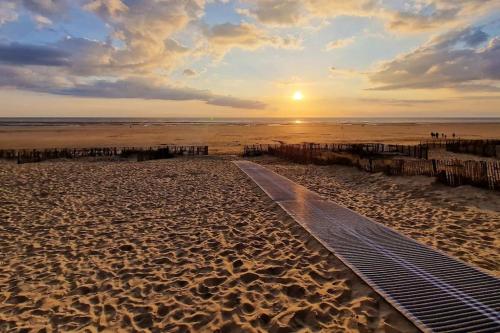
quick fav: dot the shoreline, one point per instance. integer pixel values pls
(229, 138)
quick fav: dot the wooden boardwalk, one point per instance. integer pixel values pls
(436, 292)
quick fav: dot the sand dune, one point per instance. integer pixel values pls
(182, 245)
(462, 222)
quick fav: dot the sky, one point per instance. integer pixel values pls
(248, 58)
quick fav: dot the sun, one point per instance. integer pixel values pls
(297, 96)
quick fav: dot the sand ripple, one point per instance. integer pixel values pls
(184, 245)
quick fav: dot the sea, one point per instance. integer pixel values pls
(59, 121)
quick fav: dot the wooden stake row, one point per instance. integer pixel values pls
(142, 154)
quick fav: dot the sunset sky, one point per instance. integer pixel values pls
(223, 58)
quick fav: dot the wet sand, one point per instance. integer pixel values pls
(462, 221)
(181, 245)
(230, 138)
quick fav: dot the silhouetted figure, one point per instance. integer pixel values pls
(453, 135)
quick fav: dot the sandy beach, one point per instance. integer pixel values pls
(191, 244)
(181, 245)
(239, 166)
(230, 138)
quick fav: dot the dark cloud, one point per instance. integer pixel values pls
(49, 8)
(171, 45)
(77, 56)
(27, 79)
(40, 79)
(276, 12)
(189, 72)
(144, 90)
(235, 102)
(436, 14)
(460, 59)
(21, 54)
(62, 68)
(134, 89)
(474, 37)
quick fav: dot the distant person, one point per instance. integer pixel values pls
(453, 135)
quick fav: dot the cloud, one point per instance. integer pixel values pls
(38, 78)
(328, 8)
(435, 14)
(106, 8)
(413, 16)
(83, 57)
(235, 102)
(277, 12)
(142, 43)
(399, 102)
(76, 56)
(41, 21)
(339, 43)
(223, 37)
(47, 8)
(457, 59)
(416, 21)
(335, 72)
(144, 89)
(189, 72)
(8, 12)
(297, 12)
(89, 57)
(146, 29)
(50, 82)
(20, 54)
(173, 46)
(292, 81)
(41, 10)
(480, 98)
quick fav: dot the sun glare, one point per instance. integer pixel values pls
(297, 96)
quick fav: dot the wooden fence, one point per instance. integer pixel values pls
(487, 148)
(362, 149)
(451, 172)
(142, 154)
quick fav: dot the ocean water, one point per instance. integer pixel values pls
(44, 121)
